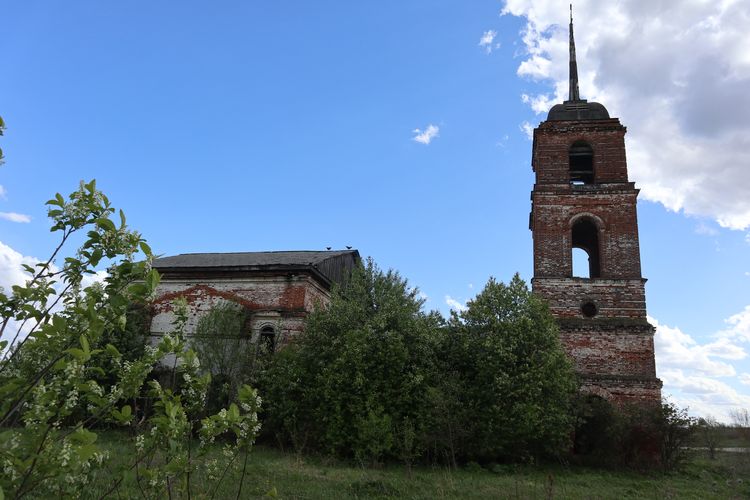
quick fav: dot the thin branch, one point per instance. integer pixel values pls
(242, 477)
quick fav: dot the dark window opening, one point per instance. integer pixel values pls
(589, 309)
(581, 161)
(586, 237)
(267, 344)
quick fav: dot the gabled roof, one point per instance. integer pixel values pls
(332, 265)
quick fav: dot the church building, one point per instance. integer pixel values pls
(276, 290)
(582, 199)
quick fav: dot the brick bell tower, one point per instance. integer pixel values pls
(582, 199)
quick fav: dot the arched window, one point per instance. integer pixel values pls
(585, 235)
(581, 163)
(267, 341)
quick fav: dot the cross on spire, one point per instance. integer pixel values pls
(573, 79)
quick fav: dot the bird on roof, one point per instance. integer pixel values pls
(328, 248)
(348, 247)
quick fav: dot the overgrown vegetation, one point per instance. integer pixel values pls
(63, 376)
(226, 353)
(313, 477)
(355, 385)
(375, 378)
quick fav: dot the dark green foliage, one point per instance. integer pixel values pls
(639, 436)
(362, 367)
(374, 377)
(507, 383)
(226, 352)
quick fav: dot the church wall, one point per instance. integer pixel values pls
(614, 298)
(614, 209)
(552, 142)
(611, 350)
(280, 301)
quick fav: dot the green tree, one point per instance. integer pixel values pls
(360, 372)
(516, 382)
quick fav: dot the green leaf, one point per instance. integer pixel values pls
(96, 256)
(85, 344)
(234, 411)
(273, 493)
(122, 219)
(86, 451)
(83, 437)
(76, 353)
(126, 411)
(2, 495)
(112, 351)
(153, 279)
(58, 200)
(106, 224)
(145, 248)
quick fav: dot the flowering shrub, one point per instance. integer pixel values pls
(53, 354)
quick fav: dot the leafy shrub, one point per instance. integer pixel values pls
(62, 373)
(508, 384)
(362, 366)
(639, 435)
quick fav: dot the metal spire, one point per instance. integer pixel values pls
(573, 83)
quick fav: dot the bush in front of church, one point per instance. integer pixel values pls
(355, 385)
(375, 378)
(507, 384)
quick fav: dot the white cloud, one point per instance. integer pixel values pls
(11, 272)
(454, 304)
(14, 217)
(528, 130)
(739, 326)
(539, 103)
(677, 75)
(3, 192)
(675, 349)
(487, 41)
(426, 136)
(90, 279)
(703, 395)
(704, 229)
(690, 370)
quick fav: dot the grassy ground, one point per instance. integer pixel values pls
(311, 478)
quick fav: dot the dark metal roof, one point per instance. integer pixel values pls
(333, 265)
(578, 110)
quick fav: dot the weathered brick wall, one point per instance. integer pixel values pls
(624, 390)
(279, 301)
(610, 347)
(552, 140)
(614, 210)
(614, 298)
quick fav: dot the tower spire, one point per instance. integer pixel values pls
(573, 80)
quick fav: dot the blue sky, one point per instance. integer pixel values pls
(246, 126)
